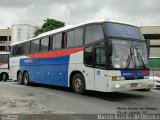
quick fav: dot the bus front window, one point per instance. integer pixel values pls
(128, 54)
(121, 54)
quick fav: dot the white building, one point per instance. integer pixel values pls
(22, 31)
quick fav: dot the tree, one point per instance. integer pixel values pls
(49, 24)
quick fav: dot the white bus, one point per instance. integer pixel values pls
(4, 66)
(97, 55)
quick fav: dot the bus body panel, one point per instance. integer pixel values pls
(15, 66)
(76, 64)
(3, 65)
(46, 70)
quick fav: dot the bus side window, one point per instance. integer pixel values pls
(75, 38)
(53, 42)
(26, 48)
(18, 49)
(88, 53)
(78, 37)
(58, 41)
(64, 40)
(100, 54)
(45, 44)
(70, 39)
(35, 46)
(4, 58)
(13, 51)
(93, 33)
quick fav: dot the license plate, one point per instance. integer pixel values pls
(134, 85)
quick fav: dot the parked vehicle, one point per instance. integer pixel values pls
(98, 55)
(4, 66)
(156, 81)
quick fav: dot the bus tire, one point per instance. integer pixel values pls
(78, 83)
(4, 77)
(19, 78)
(26, 79)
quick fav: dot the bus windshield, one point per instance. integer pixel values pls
(123, 31)
(129, 54)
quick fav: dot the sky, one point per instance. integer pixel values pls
(135, 12)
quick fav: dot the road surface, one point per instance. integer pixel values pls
(43, 99)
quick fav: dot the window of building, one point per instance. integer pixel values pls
(45, 44)
(93, 33)
(154, 51)
(3, 38)
(9, 38)
(35, 46)
(2, 48)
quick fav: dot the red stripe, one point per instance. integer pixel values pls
(144, 71)
(57, 53)
(2, 63)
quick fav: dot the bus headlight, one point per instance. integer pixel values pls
(117, 86)
(114, 78)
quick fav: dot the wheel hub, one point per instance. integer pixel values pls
(78, 83)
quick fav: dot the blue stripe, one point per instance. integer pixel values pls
(52, 71)
(132, 74)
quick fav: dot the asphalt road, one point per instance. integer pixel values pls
(42, 99)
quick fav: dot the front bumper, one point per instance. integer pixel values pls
(128, 85)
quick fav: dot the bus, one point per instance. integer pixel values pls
(98, 55)
(4, 66)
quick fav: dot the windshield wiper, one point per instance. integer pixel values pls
(129, 58)
(140, 57)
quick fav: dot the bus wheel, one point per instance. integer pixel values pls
(78, 84)
(19, 78)
(4, 77)
(26, 79)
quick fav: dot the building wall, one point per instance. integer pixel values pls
(18, 31)
(5, 39)
(152, 35)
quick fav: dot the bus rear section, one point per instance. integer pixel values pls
(4, 66)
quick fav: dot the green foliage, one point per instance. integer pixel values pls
(49, 24)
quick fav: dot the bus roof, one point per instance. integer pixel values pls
(4, 52)
(66, 28)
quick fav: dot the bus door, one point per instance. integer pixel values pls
(89, 69)
(100, 67)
